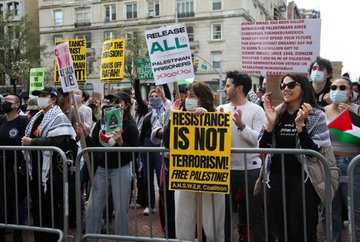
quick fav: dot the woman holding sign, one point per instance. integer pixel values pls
(296, 124)
(116, 128)
(213, 210)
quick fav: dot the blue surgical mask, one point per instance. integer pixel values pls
(317, 76)
(191, 104)
(338, 96)
(354, 96)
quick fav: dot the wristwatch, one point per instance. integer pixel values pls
(241, 127)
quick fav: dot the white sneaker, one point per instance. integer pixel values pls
(147, 211)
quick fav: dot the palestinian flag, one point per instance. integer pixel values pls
(346, 127)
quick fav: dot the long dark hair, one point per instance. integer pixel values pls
(205, 95)
(308, 94)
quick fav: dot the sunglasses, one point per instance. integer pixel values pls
(341, 87)
(290, 85)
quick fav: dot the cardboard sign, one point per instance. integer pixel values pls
(77, 49)
(278, 47)
(65, 67)
(112, 61)
(112, 119)
(37, 76)
(170, 54)
(200, 152)
(273, 86)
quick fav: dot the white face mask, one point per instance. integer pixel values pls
(43, 102)
(77, 97)
(190, 104)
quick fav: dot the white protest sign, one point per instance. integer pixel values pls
(170, 53)
(65, 67)
(281, 46)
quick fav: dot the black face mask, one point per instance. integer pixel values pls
(6, 107)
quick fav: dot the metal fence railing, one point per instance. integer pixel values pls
(80, 233)
(17, 205)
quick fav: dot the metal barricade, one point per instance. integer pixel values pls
(351, 202)
(134, 150)
(12, 213)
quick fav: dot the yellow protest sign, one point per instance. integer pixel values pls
(200, 149)
(77, 49)
(112, 60)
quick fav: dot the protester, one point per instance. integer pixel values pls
(340, 95)
(296, 124)
(49, 127)
(115, 171)
(321, 73)
(85, 112)
(158, 103)
(248, 120)
(12, 129)
(31, 107)
(186, 202)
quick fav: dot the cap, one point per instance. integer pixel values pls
(32, 104)
(120, 96)
(47, 90)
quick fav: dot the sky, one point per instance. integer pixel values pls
(340, 39)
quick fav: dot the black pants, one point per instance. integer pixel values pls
(294, 208)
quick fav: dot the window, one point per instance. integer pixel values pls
(110, 13)
(14, 7)
(129, 36)
(216, 59)
(87, 36)
(190, 31)
(131, 10)
(58, 17)
(83, 15)
(1, 9)
(185, 8)
(216, 31)
(110, 35)
(153, 8)
(57, 38)
(216, 4)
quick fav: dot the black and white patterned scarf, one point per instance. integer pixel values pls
(54, 123)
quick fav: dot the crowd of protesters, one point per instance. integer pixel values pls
(299, 122)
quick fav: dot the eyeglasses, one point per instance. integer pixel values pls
(341, 87)
(290, 85)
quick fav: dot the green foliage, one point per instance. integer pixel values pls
(135, 48)
(19, 47)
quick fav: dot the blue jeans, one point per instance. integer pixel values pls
(120, 181)
(340, 199)
(154, 163)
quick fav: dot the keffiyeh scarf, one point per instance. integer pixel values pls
(54, 123)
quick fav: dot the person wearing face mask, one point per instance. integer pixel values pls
(85, 111)
(340, 95)
(48, 127)
(321, 72)
(355, 94)
(157, 104)
(12, 129)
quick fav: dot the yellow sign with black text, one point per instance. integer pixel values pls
(200, 151)
(112, 61)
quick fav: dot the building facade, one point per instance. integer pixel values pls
(213, 27)
(17, 9)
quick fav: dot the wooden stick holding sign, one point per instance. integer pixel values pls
(68, 84)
